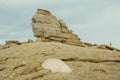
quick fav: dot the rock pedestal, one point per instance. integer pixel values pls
(47, 28)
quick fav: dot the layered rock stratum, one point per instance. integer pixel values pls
(47, 28)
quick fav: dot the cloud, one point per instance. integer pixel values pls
(109, 16)
(102, 27)
(90, 19)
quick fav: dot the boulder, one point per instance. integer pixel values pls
(56, 65)
(47, 28)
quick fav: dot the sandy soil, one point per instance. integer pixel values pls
(23, 62)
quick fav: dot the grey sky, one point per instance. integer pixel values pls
(95, 21)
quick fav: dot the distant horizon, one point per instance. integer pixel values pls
(96, 22)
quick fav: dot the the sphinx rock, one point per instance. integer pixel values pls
(56, 65)
(47, 28)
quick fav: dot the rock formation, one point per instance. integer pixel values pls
(47, 28)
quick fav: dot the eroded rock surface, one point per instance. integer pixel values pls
(24, 62)
(47, 28)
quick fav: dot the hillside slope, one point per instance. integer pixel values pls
(23, 62)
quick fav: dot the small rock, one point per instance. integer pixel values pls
(30, 41)
(56, 65)
(95, 45)
(13, 42)
(88, 44)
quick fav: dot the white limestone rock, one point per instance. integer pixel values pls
(56, 65)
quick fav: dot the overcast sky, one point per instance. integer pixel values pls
(94, 21)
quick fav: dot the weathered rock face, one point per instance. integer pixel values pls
(47, 28)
